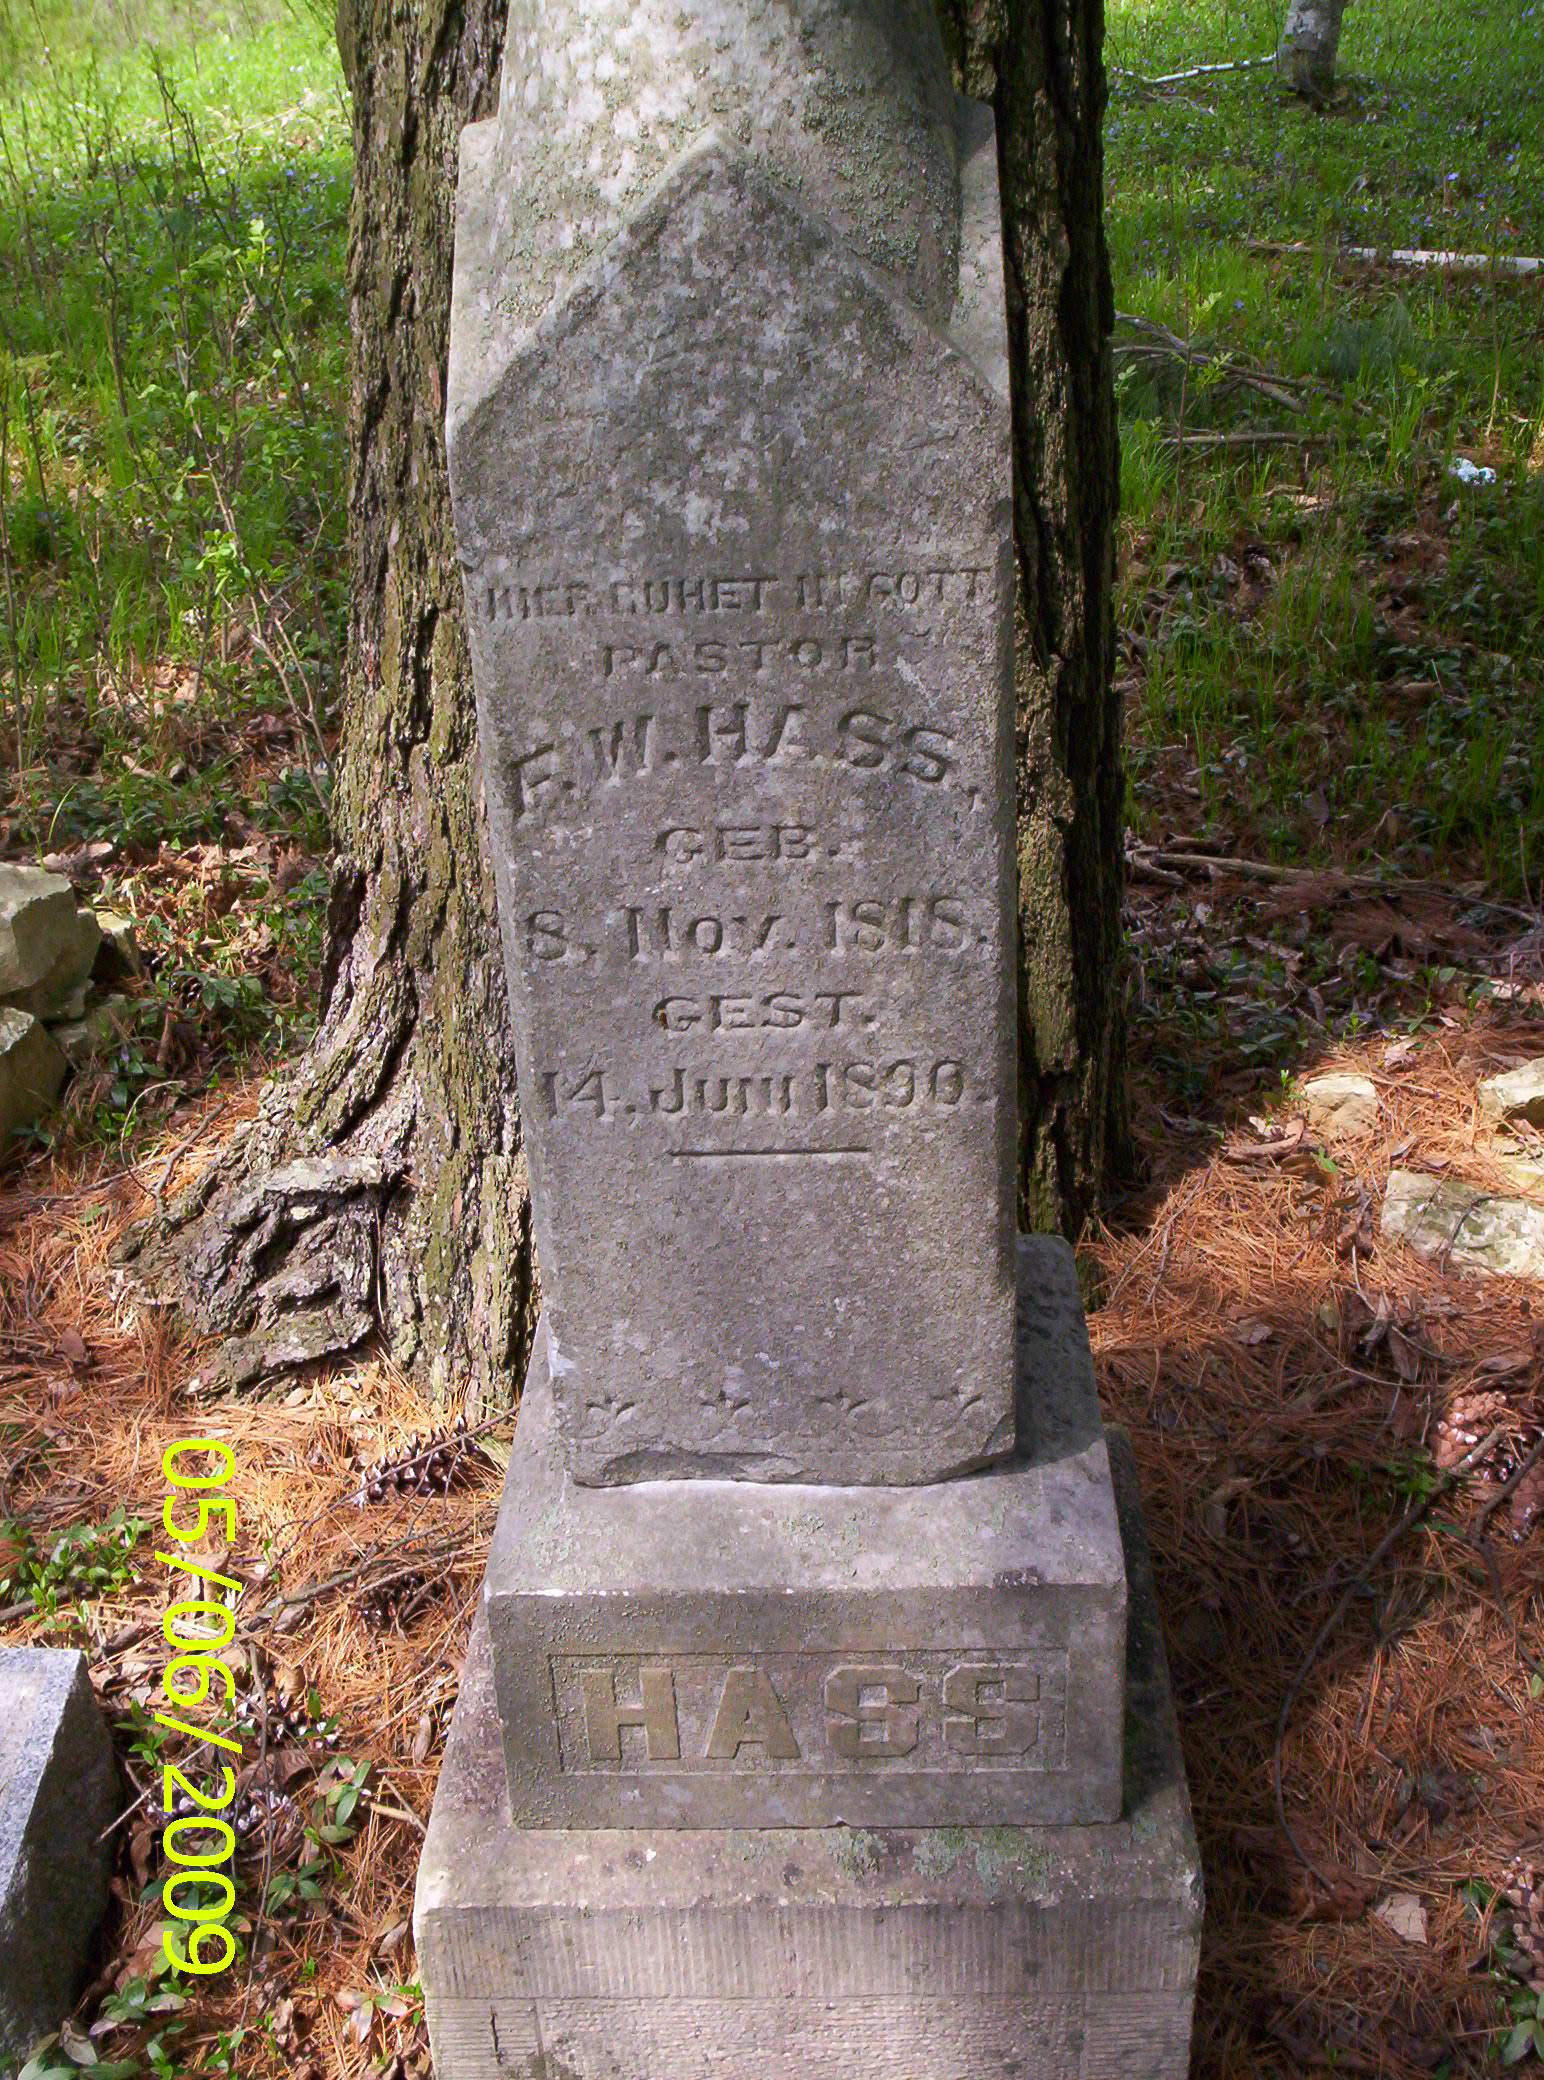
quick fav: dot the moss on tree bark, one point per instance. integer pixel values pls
(384, 1183)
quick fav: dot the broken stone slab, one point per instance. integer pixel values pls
(1456, 1224)
(1515, 1095)
(58, 1791)
(818, 1953)
(734, 1654)
(32, 1068)
(1341, 1104)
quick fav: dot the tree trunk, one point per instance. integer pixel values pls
(1041, 67)
(384, 1183)
(1305, 57)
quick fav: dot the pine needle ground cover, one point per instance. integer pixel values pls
(1332, 571)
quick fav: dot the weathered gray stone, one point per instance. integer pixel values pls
(730, 463)
(98, 1032)
(818, 1954)
(1456, 1224)
(1341, 1104)
(31, 1071)
(118, 956)
(47, 944)
(724, 1653)
(1515, 1095)
(58, 1791)
(36, 913)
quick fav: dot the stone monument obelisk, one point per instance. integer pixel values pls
(816, 1720)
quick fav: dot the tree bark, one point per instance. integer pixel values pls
(1310, 39)
(1040, 63)
(383, 1183)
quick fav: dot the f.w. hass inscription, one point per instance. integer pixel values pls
(747, 738)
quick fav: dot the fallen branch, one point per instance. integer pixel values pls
(1178, 79)
(1155, 342)
(1412, 256)
(1169, 868)
(1242, 437)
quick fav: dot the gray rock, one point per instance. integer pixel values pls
(36, 913)
(1516, 1095)
(817, 1953)
(725, 1654)
(98, 1032)
(1456, 1224)
(47, 944)
(735, 522)
(31, 1071)
(58, 1790)
(118, 957)
(1341, 1104)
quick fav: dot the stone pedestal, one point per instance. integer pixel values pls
(734, 1654)
(834, 1953)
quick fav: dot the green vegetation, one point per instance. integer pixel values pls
(1332, 644)
(174, 191)
(85, 1562)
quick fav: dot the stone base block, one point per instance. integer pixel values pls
(58, 1790)
(938, 1953)
(737, 1654)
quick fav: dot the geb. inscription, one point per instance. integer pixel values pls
(827, 1712)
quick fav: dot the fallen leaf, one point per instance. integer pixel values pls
(1403, 1913)
(1251, 1331)
(1506, 1364)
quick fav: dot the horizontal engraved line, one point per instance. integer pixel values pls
(776, 1155)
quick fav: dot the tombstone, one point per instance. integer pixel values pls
(58, 1792)
(816, 1718)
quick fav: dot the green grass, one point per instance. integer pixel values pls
(1377, 694)
(1331, 648)
(174, 189)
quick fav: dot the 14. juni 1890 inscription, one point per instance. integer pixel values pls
(741, 678)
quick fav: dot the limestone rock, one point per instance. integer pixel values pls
(1341, 1104)
(97, 1032)
(1456, 1224)
(1517, 1094)
(36, 911)
(118, 955)
(47, 944)
(58, 1790)
(31, 1071)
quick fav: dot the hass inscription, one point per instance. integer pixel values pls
(833, 1712)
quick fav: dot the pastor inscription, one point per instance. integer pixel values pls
(686, 1713)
